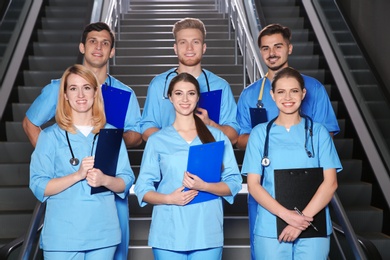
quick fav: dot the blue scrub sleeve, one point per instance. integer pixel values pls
(254, 151)
(328, 156)
(42, 165)
(228, 108)
(322, 110)
(243, 115)
(231, 174)
(149, 173)
(151, 112)
(44, 106)
(124, 171)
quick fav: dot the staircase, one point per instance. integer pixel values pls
(355, 194)
(144, 49)
(52, 48)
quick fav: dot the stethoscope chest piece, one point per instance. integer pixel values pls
(265, 161)
(74, 161)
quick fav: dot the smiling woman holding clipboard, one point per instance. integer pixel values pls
(63, 172)
(181, 229)
(291, 164)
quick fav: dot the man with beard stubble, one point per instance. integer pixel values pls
(189, 46)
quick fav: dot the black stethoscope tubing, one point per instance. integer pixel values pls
(265, 161)
(74, 161)
(165, 95)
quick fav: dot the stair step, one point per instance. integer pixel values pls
(365, 219)
(14, 174)
(177, 14)
(156, 51)
(15, 152)
(50, 63)
(15, 132)
(55, 36)
(19, 111)
(291, 22)
(14, 225)
(168, 43)
(27, 94)
(167, 28)
(53, 50)
(16, 198)
(344, 147)
(355, 193)
(41, 78)
(141, 20)
(381, 242)
(352, 171)
(164, 35)
(55, 23)
(156, 69)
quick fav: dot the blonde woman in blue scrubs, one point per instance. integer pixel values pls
(179, 231)
(290, 145)
(77, 225)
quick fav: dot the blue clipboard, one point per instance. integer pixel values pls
(116, 102)
(258, 115)
(107, 153)
(211, 101)
(205, 161)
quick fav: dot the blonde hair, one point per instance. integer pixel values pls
(64, 111)
(189, 23)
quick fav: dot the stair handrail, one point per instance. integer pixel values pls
(15, 50)
(35, 226)
(26, 241)
(252, 68)
(347, 228)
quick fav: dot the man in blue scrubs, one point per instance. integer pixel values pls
(189, 47)
(275, 47)
(97, 46)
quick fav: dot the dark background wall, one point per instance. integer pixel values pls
(371, 21)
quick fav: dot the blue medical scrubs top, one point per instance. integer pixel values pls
(286, 150)
(182, 228)
(75, 220)
(159, 112)
(315, 105)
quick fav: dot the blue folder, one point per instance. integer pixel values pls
(205, 161)
(107, 153)
(116, 102)
(211, 101)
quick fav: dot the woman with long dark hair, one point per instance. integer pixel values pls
(178, 230)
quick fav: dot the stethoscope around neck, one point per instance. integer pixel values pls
(74, 161)
(265, 161)
(165, 94)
